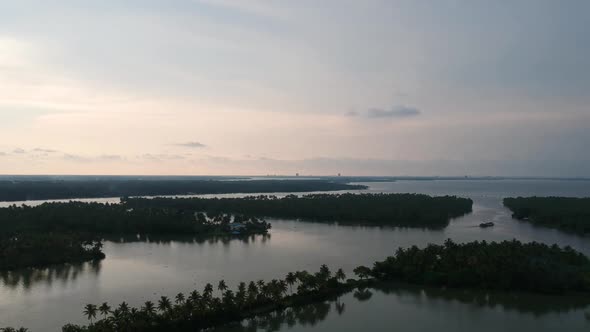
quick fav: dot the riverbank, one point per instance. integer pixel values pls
(568, 214)
(198, 311)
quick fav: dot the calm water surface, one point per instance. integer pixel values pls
(137, 270)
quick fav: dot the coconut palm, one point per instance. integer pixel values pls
(222, 286)
(208, 291)
(148, 307)
(124, 308)
(260, 284)
(90, 311)
(179, 298)
(291, 279)
(325, 272)
(362, 271)
(340, 275)
(164, 304)
(104, 309)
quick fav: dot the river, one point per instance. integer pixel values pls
(137, 270)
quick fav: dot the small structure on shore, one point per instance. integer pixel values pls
(486, 224)
(236, 228)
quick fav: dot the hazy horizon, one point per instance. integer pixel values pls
(222, 87)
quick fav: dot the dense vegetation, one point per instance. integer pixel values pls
(565, 213)
(410, 210)
(41, 249)
(96, 218)
(199, 310)
(27, 189)
(72, 232)
(509, 265)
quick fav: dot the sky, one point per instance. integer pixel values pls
(254, 87)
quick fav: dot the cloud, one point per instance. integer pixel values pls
(18, 151)
(110, 157)
(44, 150)
(191, 145)
(2, 153)
(160, 157)
(395, 112)
(75, 158)
(381, 113)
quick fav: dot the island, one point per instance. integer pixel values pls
(509, 265)
(73, 231)
(45, 188)
(569, 214)
(402, 210)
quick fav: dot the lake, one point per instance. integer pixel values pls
(137, 270)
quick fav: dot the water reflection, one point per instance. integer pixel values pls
(362, 294)
(412, 299)
(63, 273)
(187, 239)
(308, 315)
(523, 303)
(67, 273)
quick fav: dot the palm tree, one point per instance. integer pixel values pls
(241, 294)
(252, 291)
(208, 291)
(362, 271)
(340, 275)
(195, 296)
(104, 309)
(90, 311)
(222, 286)
(282, 286)
(179, 298)
(124, 308)
(291, 279)
(164, 304)
(228, 299)
(148, 307)
(325, 272)
(260, 284)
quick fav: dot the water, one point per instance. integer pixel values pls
(140, 270)
(402, 308)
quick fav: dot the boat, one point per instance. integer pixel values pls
(486, 224)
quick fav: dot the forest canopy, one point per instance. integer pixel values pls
(27, 189)
(406, 210)
(566, 213)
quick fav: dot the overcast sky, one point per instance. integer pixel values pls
(276, 87)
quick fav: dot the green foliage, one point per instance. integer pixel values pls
(408, 210)
(508, 265)
(71, 232)
(21, 190)
(42, 249)
(195, 312)
(96, 218)
(565, 213)
(54, 233)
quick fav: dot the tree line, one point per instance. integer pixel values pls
(53, 233)
(199, 310)
(566, 213)
(507, 265)
(39, 189)
(406, 210)
(56, 232)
